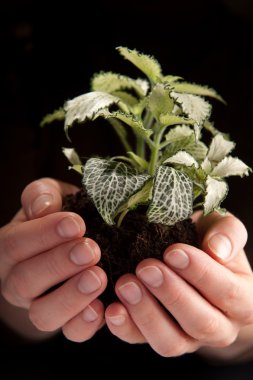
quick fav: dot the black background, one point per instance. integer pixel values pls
(49, 51)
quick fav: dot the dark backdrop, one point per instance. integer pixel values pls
(50, 49)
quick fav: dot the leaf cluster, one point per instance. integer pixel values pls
(170, 169)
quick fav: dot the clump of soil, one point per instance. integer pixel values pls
(123, 248)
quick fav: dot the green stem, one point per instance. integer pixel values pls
(121, 217)
(118, 128)
(155, 151)
(140, 147)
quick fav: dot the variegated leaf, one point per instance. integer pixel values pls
(87, 106)
(219, 148)
(127, 98)
(147, 64)
(183, 138)
(216, 191)
(230, 166)
(193, 106)
(195, 89)
(110, 183)
(182, 158)
(159, 101)
(206, 166)
(110, 82)
(172, 197)
(178, 133)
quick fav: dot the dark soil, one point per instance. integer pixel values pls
(123, 248)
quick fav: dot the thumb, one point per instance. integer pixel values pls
(44, 196)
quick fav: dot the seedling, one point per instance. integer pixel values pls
(169, 168)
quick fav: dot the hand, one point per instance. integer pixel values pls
(48, 267)
(206, 294)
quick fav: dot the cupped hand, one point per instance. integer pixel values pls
(195, 298)
(48, 267)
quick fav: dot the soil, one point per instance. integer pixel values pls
(123, 248)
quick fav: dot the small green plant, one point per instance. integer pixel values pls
(170, 169)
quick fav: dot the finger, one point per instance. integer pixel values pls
(223, 237)
(121, 324)
(160, 331)
(21, 241)
(54, 310)
(31, 278)
(44, 196)
(84, 325)
(229, 292)
(196, 316)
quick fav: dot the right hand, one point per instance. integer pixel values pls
(48, 267)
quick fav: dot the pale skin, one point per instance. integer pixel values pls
(208, 291)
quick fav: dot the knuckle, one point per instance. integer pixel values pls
(232, 295)
(207, 329)
(202, 274)
(16, 284)
(39, 321)
(54, 267)
(10, 245)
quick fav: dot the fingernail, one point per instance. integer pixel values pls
(89, 282)
(82, 253)
(40, 204)
(152, 276)
(131, 293)
(68, 227)
(220, 245)
(117, 320)
(89, 314)
(177, 259)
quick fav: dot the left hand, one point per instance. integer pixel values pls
(207, 293)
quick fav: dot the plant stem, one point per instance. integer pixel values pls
(120, 131)
(155, 151)
(121, 217)
(140, 147)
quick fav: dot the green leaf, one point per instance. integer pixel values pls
(170, 78)
(216, 191)
(182, 158)
(172, 197)
(111, 82)
(50, 118)
(110, 183)
(147, 64)
(170, 119)
(230, 166)
(193, 88)
(159, 101)
(219, 148)
(72, 156)
(128, 119)
(87, 106)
